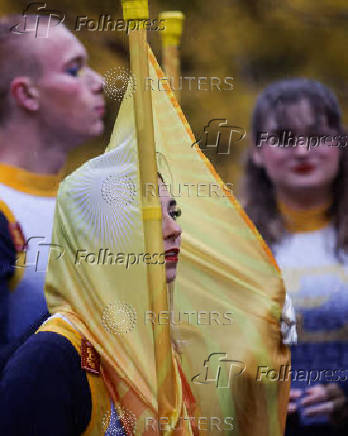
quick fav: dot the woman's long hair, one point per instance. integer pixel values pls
(258, 190)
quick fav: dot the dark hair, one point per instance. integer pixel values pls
(258, 190)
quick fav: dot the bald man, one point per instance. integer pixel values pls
(50, 102)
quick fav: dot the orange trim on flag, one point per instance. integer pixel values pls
(230, 196)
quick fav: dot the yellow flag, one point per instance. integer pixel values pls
(229, 291)
(228, 298)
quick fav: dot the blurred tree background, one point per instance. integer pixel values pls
(253, 41)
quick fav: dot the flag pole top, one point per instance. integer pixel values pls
(135, 9)
(173, 23)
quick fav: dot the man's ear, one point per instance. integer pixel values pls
(25, 93)
(256, 157)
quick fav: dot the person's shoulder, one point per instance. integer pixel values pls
(43, 382)
(45, 353)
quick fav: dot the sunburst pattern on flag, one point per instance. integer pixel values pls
(106, 197)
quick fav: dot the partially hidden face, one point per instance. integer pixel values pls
(171, 231)
(301, 166)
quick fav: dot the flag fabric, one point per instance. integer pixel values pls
(225, 267)
(228, 297)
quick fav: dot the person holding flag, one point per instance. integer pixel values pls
(57, 397)
(144, 378)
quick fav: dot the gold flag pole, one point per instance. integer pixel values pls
(152, 216)
(171, 36)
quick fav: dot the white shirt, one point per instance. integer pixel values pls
(35, 215)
